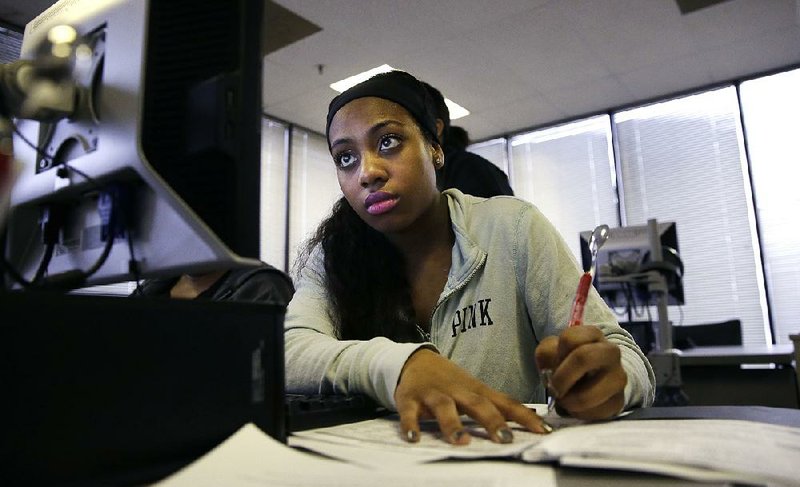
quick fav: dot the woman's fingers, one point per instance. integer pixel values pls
(546, 354)
(486, 413)
(587, 378)
(607, 409)
(596, 389)
(432, 386)
(526, 417)
(443, 408)
(409, 412)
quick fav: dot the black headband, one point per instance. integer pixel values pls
(398, 87)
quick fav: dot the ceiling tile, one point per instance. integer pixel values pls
(667, 78)
(594, 96)
(753, 55)
(736, 21)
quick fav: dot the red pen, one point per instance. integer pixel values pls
(598, 238)
(580, 299)
(575, 319)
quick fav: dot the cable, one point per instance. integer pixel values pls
(110, 219)
(30, 144)
(133, 264)
(44, 264)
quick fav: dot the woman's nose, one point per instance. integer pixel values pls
(373, 171)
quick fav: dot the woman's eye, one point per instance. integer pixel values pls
(389, 142)
(346, 159)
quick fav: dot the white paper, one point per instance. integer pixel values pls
(250, 458)
(378, 442)
(696, 449)
(699, 449)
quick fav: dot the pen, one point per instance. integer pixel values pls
(580, 299)
(576, 317)
(598, 238)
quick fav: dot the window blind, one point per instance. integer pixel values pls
(683, 160)
(313, 187)
(274, 171)
(567, 171)
(771, 108)
(494, 151)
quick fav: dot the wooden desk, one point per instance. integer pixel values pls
(715, 376)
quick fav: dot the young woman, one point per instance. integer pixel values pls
(440, 304)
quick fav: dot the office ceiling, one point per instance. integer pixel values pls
(517, 64)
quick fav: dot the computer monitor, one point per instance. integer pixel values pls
(626, 258)
(156, 172)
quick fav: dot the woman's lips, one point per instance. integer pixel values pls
(380, 202)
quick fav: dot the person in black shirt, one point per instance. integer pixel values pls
(263, 284)
(463, 170)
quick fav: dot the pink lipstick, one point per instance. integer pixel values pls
(380, 202)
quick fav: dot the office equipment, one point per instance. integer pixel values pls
(305, 412)
(154, 169)
(628, 254)
(139, 137)
(642, 333)
(641, 264)
(122, 391)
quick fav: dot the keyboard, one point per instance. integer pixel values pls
(305, 412)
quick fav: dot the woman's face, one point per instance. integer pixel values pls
(384, 163)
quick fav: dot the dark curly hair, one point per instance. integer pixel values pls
(365, 273)
(365, 278)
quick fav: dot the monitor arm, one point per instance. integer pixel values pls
(42, 88)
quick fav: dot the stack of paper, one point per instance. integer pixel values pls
(374, 453)
(696, 449)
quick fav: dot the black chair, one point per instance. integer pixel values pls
(712, 334)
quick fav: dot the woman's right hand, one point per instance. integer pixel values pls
(433, 387)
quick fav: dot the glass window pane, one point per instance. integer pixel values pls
(313, 187)
(567, 171)
(683, 161)
(494, 151)
(771, 106)
(273, 192)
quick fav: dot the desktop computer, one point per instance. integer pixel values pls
(98, 388)
(137, 133)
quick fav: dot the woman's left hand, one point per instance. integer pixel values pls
(587, 380)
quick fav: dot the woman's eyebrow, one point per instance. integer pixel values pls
(375, 128)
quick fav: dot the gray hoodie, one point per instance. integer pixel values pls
(511, 283)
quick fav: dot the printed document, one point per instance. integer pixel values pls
(696, 449)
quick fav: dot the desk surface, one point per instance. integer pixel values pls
(737, 355)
